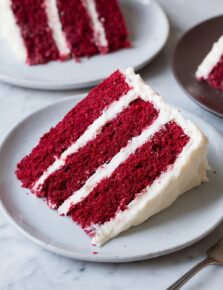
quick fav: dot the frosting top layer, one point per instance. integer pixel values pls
(210, 60)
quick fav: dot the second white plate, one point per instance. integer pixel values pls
(189, 219)
(148, 27)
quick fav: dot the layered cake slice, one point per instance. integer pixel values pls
(211, 68)
(45, 30)
(118, 157)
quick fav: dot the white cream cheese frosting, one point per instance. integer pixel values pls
(56, 27)
(211, 59)
(97, 26)
(9, 30)
(188, 171)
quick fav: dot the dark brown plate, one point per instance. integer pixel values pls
(188, 54)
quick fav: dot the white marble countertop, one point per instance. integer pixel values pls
(25, 266)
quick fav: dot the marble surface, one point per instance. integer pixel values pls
(25, 266)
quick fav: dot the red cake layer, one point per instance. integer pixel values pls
(37, 36)
(76, 25)
(215, 78)
(113, 194)
(74, 124)
(114, 24)
(82, 164)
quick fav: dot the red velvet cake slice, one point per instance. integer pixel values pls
(45, 30)
(118, 157)
(211, 68)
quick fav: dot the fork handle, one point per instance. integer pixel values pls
(184, 279)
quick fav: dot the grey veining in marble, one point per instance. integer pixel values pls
(25, 266)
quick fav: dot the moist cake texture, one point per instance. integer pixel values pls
(118, 157)
(211, 68)
(47, 30)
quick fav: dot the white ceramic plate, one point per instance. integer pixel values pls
(148, 27)
(189, 219)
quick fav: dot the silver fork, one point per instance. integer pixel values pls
(214, 257)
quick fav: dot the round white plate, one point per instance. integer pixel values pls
(148, 28)
(189, 219)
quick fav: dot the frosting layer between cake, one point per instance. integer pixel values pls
(56, 27)
(98, 28)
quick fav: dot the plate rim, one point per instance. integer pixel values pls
(173, 67)
(52, 86)
(90, 257)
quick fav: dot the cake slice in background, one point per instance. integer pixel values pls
(118, 157)
(211, 68)
(47, 30)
